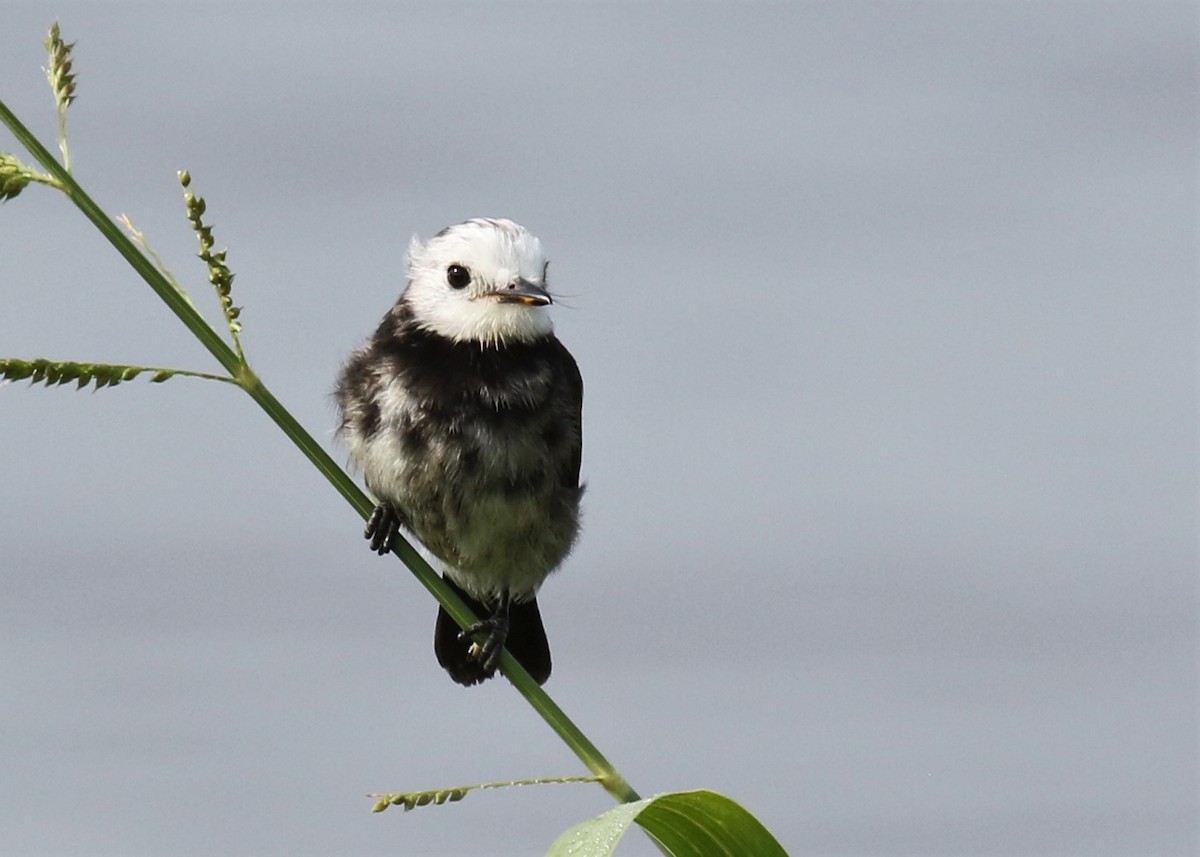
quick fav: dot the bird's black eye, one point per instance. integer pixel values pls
(458, 277)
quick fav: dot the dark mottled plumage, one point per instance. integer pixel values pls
(472, 440)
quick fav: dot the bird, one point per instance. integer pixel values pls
(464, 414)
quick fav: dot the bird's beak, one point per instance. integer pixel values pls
(520, 292)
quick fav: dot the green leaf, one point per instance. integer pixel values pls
(698, 823)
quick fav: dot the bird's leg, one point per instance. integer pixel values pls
(496, 628)
(384, 524)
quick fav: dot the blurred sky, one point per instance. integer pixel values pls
(887, 318)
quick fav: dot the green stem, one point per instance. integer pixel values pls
(554, 716)
(208, 376)
(62, 137)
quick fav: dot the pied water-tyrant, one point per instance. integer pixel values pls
(463, 413)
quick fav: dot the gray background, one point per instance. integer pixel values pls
(887, 318)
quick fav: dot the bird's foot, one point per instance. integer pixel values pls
(487, 652)
(385, 523)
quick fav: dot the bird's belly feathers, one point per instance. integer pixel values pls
(483, 495)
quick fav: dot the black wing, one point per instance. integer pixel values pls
(567, 370)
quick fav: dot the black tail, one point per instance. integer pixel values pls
(526, 641)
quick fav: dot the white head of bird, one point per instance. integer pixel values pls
(483, 280)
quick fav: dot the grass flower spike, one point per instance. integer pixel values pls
(62, 82)
(218, 272)
(15, 176)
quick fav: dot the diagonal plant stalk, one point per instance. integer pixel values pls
(242, 375)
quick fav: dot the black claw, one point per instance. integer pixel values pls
(385, 523)
(487, 653)
(525, 638)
